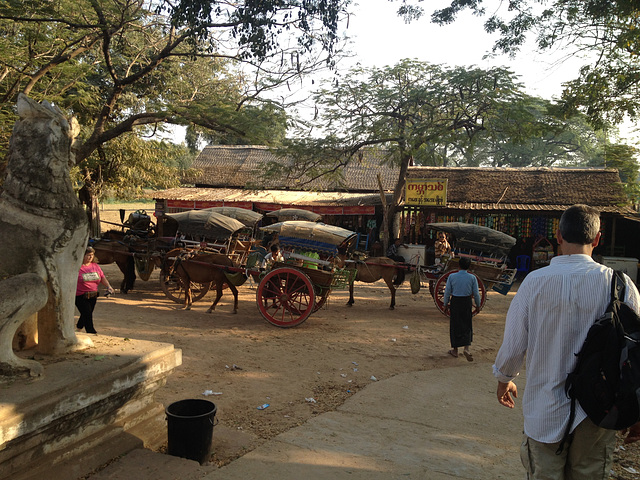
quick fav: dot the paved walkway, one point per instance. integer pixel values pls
(438, 424)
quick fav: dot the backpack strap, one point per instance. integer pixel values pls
(567, 432)
(618, 286)
(617, 293)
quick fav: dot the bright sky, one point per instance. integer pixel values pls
(382, 38)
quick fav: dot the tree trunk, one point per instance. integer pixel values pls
(397, 194)
(384, 231)
(88, 195)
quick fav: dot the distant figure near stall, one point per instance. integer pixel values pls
(392, 253)
(442, 247)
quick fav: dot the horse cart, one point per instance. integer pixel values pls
(131, 247)
(137, 247)
(288, 291)
(205, 234)
(487, 249)
(291, 290)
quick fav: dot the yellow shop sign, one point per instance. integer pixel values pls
(426, 191)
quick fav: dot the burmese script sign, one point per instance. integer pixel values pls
(430, 192)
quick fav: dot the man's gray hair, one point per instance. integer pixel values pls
(580, 224)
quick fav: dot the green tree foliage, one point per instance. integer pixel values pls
(129, 165)
(267, 124)
(532, 132)
(413, 110)
(607, 32)
(134, 66)
(429, 114)
(624, 159)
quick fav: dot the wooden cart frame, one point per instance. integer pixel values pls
(292, 290)
(487, 249)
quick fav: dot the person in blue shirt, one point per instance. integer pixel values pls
(461, 287)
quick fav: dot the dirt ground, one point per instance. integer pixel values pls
(243, 362)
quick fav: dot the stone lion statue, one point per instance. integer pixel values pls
(43, 234)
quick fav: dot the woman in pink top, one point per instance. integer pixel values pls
(89, 277)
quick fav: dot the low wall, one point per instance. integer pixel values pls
(91, 406)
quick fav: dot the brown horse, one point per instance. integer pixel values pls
(111, 249)
(373, 269)
(197, 267)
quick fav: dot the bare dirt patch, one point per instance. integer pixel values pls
(302, 371)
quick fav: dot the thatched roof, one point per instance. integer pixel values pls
(230, 169)
(238, 166)
(528, 188)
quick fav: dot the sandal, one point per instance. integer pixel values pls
(453, 354)
(468, 356)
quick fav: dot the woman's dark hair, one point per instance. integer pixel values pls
(580, 224)
(464, 263)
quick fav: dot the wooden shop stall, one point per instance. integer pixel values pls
(525, 203)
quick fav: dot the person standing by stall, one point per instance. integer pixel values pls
(441, 247)
(461, 287)
(90, 276)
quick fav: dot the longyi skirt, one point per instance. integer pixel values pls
(460, 325)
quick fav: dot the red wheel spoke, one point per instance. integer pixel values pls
(285, 297)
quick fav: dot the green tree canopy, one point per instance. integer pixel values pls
(123, 66)
(135, 66)
(426, 114)
(606, 32)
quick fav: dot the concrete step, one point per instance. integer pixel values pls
(143, 464)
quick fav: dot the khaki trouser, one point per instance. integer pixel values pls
(587, 455)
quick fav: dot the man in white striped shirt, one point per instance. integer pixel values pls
(548, 321)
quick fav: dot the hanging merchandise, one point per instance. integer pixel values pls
(539, 227)
(552, 227)
(527, 229)
(542, 253)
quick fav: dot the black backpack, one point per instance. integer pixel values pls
(606, 380)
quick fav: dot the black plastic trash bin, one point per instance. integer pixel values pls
(190, 428)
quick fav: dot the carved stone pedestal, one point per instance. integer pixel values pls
(90, 407)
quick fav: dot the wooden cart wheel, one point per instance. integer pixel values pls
(285, 297)
(438, 296)
(172, 287)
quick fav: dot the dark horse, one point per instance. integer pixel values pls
(111, 248)
(373, 269)
(201, 268)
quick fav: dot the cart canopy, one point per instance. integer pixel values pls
(477, 238)
(204, 223)
(317, 237)
(248, 217)
(285, 214)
